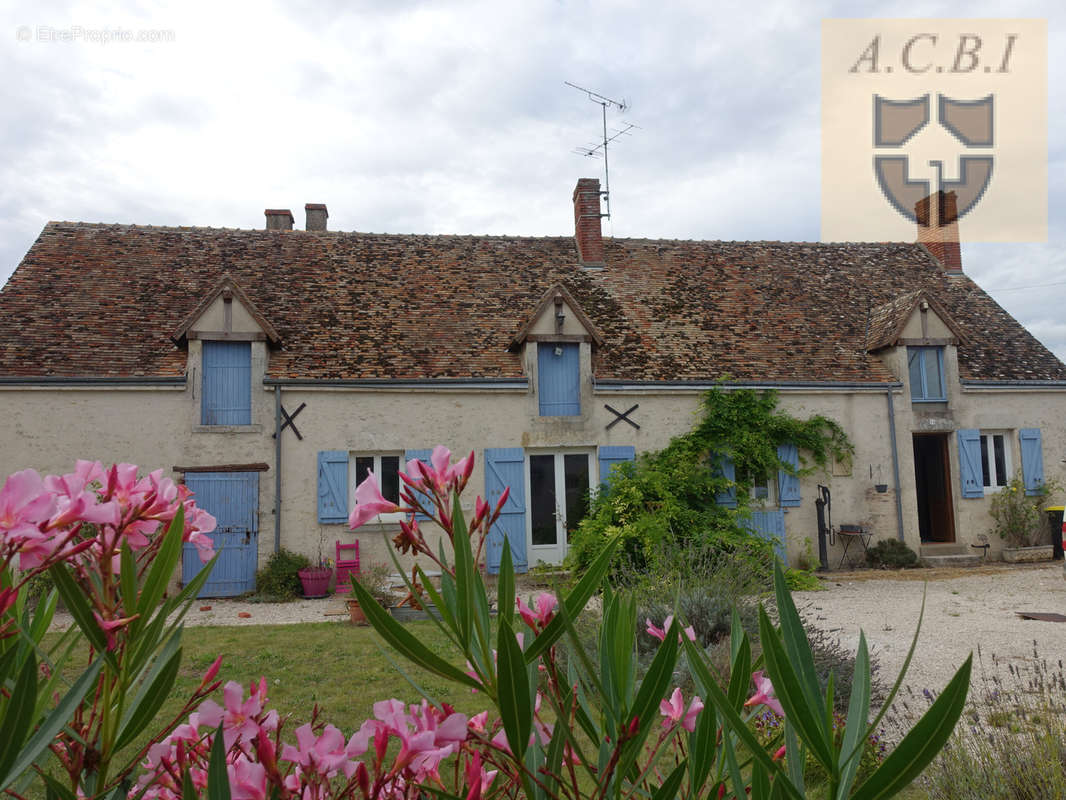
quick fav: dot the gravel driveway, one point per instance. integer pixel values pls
(964, 609)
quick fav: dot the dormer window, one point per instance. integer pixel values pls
(559, 375)
(926, 365)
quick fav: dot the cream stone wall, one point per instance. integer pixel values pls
(397, 421)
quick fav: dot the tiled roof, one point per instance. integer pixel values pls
(104, 300)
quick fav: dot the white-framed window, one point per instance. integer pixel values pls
(995, 460)
(386, 467)
(763, 491)
(926, 369)
(559, 483)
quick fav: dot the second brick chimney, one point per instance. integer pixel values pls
(587, 217)
(938, 229)
(316, 216)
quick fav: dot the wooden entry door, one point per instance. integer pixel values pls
(932, 478)
(233, 499)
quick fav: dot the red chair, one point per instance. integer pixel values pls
(346, 567)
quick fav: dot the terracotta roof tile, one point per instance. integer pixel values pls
(104, 300)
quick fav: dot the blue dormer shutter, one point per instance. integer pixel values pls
(332, 486)
(970, 473)
(788, 485)
(424, 457)
(227, 384)
(506, 466)
(1032, 460)
(558, 379)
(611, 455)
(723, 467)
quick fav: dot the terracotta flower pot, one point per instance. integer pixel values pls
(355, 611)
(315, 581)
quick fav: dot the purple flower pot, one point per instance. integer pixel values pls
(315, 581)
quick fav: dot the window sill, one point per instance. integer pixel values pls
(227, 428)
(932, 400)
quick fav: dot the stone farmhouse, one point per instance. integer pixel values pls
(271, 369)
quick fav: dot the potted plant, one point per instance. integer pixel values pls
(315, 581)
(1021, 522)
(377, 580)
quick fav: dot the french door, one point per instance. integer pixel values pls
(558, 500)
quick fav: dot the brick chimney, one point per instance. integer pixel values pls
(316, 216)
(938, 229)
(587, 216)
(278, 219)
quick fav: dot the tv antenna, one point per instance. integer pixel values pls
(599, 149)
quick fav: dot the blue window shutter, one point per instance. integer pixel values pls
(1032, 460)
(558, 379)
(227, 383)
(506, 466)
(423, 456)
(332, 486)
(769, 525)
(723, 466)
(611, 455)
(788, 485)
(973, 482)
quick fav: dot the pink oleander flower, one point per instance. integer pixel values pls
(205, 719)
(660, 633)
(478, 722)
(441, 461)
(24, 504)
(241, 721)
(674, 711)
(481, 510)
(477, 778)
(369, 502)
(247, 779)
(538, 620)
(109, 626)
(447, 726)
(323, 754)
(764, 694)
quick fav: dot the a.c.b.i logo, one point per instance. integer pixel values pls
(916, 108)
(896, 122)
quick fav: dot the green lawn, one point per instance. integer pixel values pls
(343, 668)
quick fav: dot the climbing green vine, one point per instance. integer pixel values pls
(669, 497)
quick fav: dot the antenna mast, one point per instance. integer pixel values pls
(600, 148)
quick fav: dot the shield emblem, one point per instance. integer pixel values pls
(895, 122)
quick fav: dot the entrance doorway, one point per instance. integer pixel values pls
(232, 498)
(932, 478)
(558, 501)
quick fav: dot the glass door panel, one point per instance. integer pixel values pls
(576, 479)
(542, 499)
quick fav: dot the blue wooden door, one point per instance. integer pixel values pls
(233, 499)
(769, 525)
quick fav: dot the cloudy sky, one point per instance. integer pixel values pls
(453, 117)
